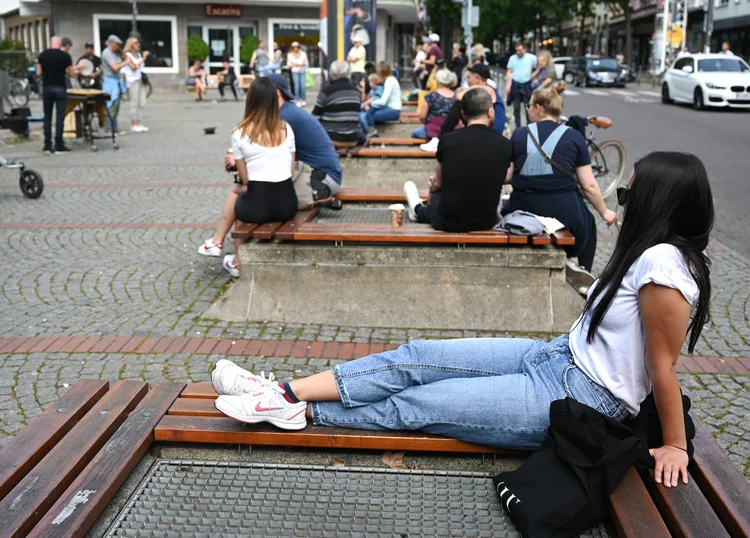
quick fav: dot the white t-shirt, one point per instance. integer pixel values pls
(616, 358)
(132, 75)
(273, 165)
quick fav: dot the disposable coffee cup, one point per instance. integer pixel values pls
(397, 214)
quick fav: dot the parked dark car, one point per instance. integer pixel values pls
(583, 71)
(627, 73)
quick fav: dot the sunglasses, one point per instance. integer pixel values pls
(623, 193)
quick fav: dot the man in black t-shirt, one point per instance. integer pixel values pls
(54, 66)
(472, 163)
(228, 79)
(94, 79)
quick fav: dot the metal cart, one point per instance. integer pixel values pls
(95, 117)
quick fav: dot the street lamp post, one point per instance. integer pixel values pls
(134, 30)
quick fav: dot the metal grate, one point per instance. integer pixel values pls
(191, 499)
(360, 215)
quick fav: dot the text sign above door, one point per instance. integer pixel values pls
(223, 10)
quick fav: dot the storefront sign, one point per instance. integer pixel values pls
(223, 10)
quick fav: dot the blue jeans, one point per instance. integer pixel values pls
(112, 86)
(491, 391)
(54, 96)
(377, 115)
(299, 79)
(419, 132)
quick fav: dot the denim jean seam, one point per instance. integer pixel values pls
(608, 406)
(476, 427)
(420, 366)
(343, 393)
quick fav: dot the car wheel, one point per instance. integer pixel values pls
(698, 99)
(665, 98)
(569, 78)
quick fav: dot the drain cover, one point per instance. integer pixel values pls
(186, 499)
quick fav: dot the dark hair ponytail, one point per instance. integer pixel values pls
(670, 202)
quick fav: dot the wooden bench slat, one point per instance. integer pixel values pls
(726, 490)
(633, 511)
(39, 489)
(391, 234)
(542, 239)
(378, 141)
(390, 152)
(199, 390)
(174, 428)
(195, 407)
(101, 478)
(32, 443)
(243, 230)
(684, 509)
(267, 230)
(374, 195)
(286, 232)
(563, 238)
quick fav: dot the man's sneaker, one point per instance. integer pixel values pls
(321, 191)
(411, 193)
(333, 203)
(266, 405)
(209, 248)
(578, 276)
(62, 150)
(432, 145)
(47, 149)
(229, 379)
(372, 132)
(230, 267)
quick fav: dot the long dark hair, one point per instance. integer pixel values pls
(262, 122)
(669, 201)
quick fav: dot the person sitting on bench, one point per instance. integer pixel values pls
(229, 78)
(263, 149)
(313, 148)
(337, 106)
(470, 172)
(653, 292)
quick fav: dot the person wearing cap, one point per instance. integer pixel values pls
(479, 74)
(433, 55)
(518, 81)
(53, 67)
(112, 63)
(356, 58)
(469, 175)
(297, 63)
(436, 106)
(92, 80)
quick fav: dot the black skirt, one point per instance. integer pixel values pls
(267, 202)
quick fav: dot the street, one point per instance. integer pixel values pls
(101, 278)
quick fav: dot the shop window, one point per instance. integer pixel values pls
(306, 33)
(157, 35)
(195, 29)
(246, 31)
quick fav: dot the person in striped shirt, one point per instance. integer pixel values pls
(338, 106)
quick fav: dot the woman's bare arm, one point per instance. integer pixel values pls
(509, 174)
(593, 194)
(666, 316)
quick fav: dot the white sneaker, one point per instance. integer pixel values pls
(432, 145)
(412, 199)
(229, 379)
(233, 270)
(143, 129)
(267, 405)
(209, 248)
(578, 276)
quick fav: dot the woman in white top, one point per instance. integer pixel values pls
(654, 290)
(263, 148)
(133, 72)
(387, 107)
(296, 61)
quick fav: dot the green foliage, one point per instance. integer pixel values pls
(499, 19)
(197, 48)
(436, 9)
(247, 47)
(9, 44)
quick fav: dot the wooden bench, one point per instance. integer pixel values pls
(60, 472)
(386, 153)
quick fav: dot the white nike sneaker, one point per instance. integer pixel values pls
(432, 145)
(209, 248)
(266, 405)
(411, 193)
(229, 379)
(230, 267)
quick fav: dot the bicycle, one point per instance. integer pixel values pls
(608, 159)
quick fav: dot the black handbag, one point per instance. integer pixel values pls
(563, 487)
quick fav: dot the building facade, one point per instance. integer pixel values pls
(732, 24)
(166, 26)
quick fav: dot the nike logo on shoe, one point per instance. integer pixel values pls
(260, 409)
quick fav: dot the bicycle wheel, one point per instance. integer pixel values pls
(608, 162)
(31, 184)
(19, 93)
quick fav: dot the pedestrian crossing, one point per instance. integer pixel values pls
(626, 94)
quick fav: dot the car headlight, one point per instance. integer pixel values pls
(713, 86)
(591, 75)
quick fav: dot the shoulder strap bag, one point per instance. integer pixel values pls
(547, 158)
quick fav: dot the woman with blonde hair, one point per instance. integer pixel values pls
(436, 106)
(550, 168)
(297, 62)
(479, 53)
(133, 72)
(263, 147)
(387, 107)
(545, 73)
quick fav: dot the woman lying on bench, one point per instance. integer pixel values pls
(498, 391)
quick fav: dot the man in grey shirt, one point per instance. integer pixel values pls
(112, 62)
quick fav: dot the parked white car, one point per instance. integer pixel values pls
(708, 80)
(560, 63)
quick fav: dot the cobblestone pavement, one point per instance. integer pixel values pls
(109, 250)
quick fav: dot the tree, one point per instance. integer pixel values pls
(197, 48)
(247, 47)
